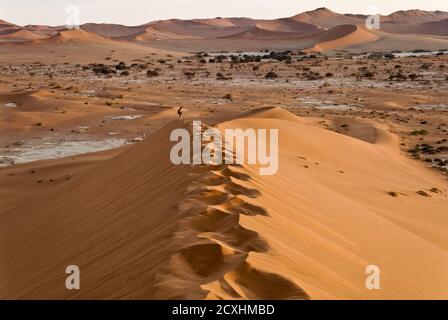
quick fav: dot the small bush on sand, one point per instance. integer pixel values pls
(419, 132)
(189, 74)
(121, 66)
(221, 77)
(152, 73)
(271, 75)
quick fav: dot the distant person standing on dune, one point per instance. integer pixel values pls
(179, 113)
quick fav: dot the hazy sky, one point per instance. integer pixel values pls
(134, 12)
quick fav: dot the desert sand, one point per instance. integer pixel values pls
(140, 227)
(86, 178)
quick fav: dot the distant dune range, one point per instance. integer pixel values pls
(317, 30)
(140, 227)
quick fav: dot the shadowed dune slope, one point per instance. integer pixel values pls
(414, 16)
(114, 31)
(287, 25)
(439, 28)
(343, 36)
(75, 35)
(197, 28)
(276, 30)
(20, 35)
(115, 223)
(5, 25)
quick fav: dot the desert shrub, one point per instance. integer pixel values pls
(121, 66)
(312, 76)
(152, 73)
(189, 74)
(221, 77)
(102, 69)
(397, 77)
(419, 132)
(271, 75)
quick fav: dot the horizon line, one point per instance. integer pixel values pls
(218, 17)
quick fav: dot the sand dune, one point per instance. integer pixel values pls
(325, 18)
(258, 33)
(246, 34)
(342, 37)
(196, 245)
(279, 29)
(228, 22)
(414, 16)
(196, 28)
(388, 41)
(20, 35)
(360, 225)
(287, 25)
(5, 25)
(75, 35)
(111, 30)
(173, 29)
(153, 33)
(30, 101)
(46, 51)
(139, 227)
(44, 30)
(437, 28)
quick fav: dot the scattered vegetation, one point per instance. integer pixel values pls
(152, 73)
(271, 75)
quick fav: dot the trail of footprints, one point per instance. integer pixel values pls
(213, 247)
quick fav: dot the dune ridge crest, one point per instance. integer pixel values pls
(211, 259)
(187, 244)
